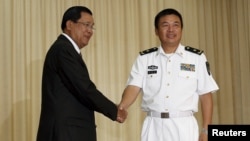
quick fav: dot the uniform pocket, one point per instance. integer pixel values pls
(152, 82)
(187, 75)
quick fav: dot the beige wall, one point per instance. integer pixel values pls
(123, 28)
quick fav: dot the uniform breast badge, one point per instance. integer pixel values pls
(187, 67)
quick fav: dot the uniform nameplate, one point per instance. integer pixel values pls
(152, 72)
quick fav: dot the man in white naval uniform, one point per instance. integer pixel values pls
(172, 79)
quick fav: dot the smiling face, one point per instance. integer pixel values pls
(169, 30)
(81, 30)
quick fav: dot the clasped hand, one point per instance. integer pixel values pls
(121, 114)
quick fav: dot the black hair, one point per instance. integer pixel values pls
(165, 12)
(73, 14)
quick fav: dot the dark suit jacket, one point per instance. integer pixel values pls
(69, 97)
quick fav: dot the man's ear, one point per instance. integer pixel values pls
(69, 24)
(156, 32)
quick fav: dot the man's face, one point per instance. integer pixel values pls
(82, 30)
(169, 30)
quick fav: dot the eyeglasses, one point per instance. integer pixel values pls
(87, 25)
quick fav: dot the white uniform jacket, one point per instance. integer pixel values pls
(172, 83)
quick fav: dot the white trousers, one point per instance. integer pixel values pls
(170, 129)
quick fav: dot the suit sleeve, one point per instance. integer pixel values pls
(76, 78)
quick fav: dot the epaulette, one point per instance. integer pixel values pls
(148, 50)
(194, 50)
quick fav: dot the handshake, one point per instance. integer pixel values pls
(121, 114)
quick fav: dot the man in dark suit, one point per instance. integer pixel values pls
(69, 97)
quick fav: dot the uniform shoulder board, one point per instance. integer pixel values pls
(148, 50)
(194, 50)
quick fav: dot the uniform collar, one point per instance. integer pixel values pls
(179, 51)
